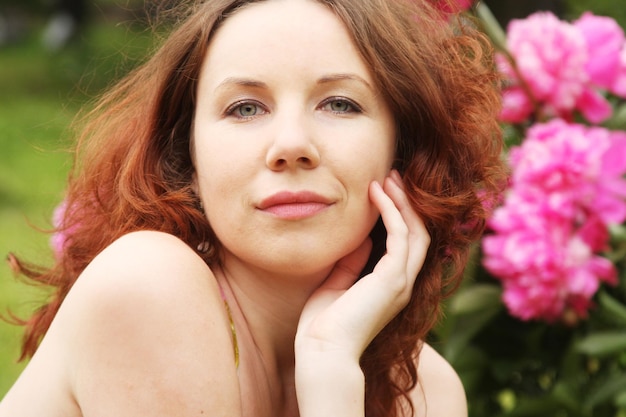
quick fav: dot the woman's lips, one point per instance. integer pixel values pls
(294, 205)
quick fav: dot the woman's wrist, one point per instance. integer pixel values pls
(329, 384)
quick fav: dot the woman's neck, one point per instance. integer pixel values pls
(268, 305)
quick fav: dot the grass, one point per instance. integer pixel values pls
(39, 95)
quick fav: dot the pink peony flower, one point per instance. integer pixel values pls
(553, 59)
(606, 48)
(453, 6)
(59, 238)
(516, 105)
(567, 187)
(574, 167)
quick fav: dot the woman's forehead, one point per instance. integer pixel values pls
(283, 37)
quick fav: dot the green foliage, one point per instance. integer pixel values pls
(41, 93)
(515, 368)
(599, 7)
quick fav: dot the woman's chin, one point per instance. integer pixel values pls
(292, 260)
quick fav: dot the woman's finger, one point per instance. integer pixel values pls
(392, 267)
(347, 269)
(418, 238)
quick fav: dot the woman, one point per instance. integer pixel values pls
(265, 217)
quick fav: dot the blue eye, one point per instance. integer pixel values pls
(245, 109)
(341, 105)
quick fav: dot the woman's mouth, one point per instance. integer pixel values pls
(289, 205)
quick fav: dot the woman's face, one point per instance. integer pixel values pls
(289, 131)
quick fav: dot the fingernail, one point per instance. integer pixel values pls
(376, 184)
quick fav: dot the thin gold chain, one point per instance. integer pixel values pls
(233, 332)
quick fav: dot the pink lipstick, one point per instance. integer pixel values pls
(294, 206)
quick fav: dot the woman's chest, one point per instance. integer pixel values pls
(263, 392)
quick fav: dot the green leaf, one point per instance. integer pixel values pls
(536, 406)
(620, 400)
(471, 366)
(603, 344)
(491, 26)
(465, 328)
(475, 298)
(612, 388)
(618, 120)
(565, 394)
(471, 309)
(618, 232)
(612, 307)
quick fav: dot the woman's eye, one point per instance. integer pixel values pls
(341, 105)
(245, 110)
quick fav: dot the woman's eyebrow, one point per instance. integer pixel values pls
(331, 78)
(326, 79)
(241, 82)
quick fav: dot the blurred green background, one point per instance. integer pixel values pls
(40, 92)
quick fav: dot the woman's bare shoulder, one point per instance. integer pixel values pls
(142, 270)
(439, 392)
(131, 259)
(146, 321)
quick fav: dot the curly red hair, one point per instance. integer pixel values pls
(133, 167)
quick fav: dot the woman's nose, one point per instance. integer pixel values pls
(293, 145)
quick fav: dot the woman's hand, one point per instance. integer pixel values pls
(344, 315)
